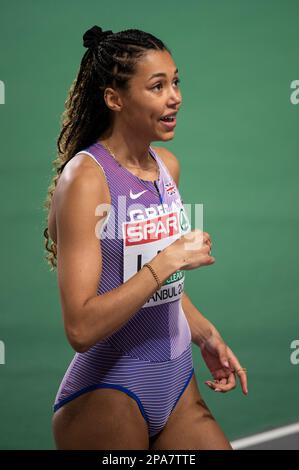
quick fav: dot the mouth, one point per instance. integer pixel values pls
(169, 121)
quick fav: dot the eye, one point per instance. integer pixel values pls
(156, 86)
(160, 84)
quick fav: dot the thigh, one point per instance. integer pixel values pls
(104, 418)
(191, 425)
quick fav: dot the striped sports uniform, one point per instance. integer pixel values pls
(150, 356)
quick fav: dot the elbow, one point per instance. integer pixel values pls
(79, 347)
(77, 340)
(79, 332)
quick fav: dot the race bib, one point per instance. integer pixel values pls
(144, 239)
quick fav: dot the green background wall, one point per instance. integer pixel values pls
(237, 141)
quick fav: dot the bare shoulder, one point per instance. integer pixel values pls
(170, 161)
(81, 171)
(82, 178)
(80, 166)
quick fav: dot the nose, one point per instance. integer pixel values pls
(175, 98)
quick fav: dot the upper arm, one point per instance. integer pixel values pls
(79, 260)
(171, 162)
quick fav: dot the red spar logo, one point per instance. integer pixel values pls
(149, 230)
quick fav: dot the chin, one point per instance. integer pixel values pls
(167, 136)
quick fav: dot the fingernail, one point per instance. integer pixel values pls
(226, 364)
(217, 389)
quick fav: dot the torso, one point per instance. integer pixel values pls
(151, 175)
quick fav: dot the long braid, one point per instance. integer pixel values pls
(86, 116)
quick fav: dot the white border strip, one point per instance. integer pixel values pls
(265, 436)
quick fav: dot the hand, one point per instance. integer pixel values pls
(223, 365)
(191, 250)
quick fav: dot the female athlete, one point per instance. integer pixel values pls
(118, 234)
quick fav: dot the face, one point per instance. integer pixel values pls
(151, 97)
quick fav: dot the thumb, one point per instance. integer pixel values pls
(223, 356)
(225, 362)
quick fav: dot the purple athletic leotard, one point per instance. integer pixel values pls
(150, 356)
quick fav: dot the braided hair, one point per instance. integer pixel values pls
(110, 60)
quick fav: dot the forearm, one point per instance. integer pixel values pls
(104, 314)
(201, 328)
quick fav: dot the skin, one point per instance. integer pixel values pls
(136, 115)
(87, 421)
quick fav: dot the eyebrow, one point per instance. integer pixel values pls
(161, 74)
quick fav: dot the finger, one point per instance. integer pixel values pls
(234, 363)
(241, 373)
(243, 380)
(220, 381)
(230, 385)
(222, 387)
(223, 381)
(206, 238)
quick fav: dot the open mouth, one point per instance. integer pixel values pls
(169, 121)
(168, 118)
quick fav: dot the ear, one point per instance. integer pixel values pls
(170, 161)
(113, 99)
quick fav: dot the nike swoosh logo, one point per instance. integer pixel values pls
(135, 196)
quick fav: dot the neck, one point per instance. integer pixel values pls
(128, 150)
